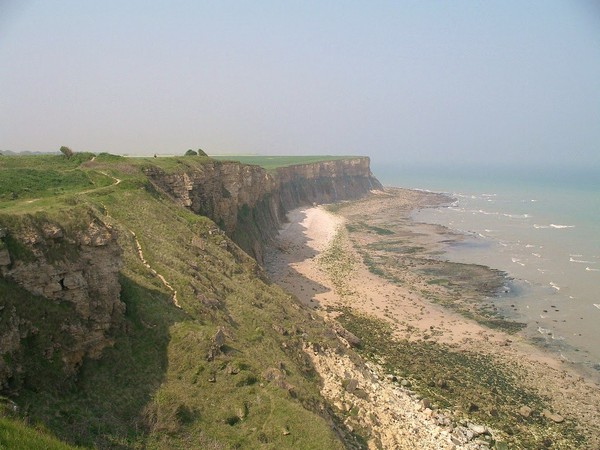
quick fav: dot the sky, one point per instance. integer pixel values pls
(434, 82)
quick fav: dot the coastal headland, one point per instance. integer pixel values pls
(154, 303)
(427, 326)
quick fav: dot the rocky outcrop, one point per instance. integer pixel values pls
(69, 276)
(249, 203)
(389, 414)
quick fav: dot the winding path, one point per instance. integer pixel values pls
(154, 272)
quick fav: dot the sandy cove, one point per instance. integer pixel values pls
(298, 265)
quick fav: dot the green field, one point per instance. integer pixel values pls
(273, 162)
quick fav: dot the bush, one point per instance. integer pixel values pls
(66, 151)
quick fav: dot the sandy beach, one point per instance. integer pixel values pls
(367, 258)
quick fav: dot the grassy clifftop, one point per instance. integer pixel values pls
(273, 162)
(208, 354)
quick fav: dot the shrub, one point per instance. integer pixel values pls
(66, 151)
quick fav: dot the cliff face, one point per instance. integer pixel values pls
(249, 203)
(216, 190)
(325, 182)
(60, 292)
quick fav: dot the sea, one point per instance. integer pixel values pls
(541, 226)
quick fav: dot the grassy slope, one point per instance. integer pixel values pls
(14, 435)
(273, 162)
(155, 388)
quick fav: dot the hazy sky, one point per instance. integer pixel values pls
(459, 81)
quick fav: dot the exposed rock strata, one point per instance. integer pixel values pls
(78, 269)
(249, 203)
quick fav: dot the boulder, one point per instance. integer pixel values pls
(525, 411)
(350, 338)
(556, 418)
(350, 385)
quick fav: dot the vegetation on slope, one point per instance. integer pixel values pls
(164, 383)
(15, 435)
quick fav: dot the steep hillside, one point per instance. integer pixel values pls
(129, 320)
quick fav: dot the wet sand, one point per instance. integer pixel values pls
(386, 266)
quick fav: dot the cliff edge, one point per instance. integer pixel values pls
(249, 203)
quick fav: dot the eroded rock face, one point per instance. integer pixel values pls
(77, 268)
(326, 182)
(249, 203)
(217, 190)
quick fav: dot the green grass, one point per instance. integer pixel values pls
(154, 388)
(167, 163)
(338, 262)
(273, 162)
(15, 435)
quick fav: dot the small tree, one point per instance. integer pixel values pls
(201, 152)
(66, 151)
(191, 152)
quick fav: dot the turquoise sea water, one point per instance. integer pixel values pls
(542, 227)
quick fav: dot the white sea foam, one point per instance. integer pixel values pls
(517, 261)
(543, 330)
(537, 255)
(581, 261)
(529, 246)
(517, 216)
(555, 286)
(589, 269)
(552, 225)
(596, 305)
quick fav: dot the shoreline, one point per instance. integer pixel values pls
(418, 297)
(555, 293)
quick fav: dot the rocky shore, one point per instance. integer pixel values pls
(443, 368)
